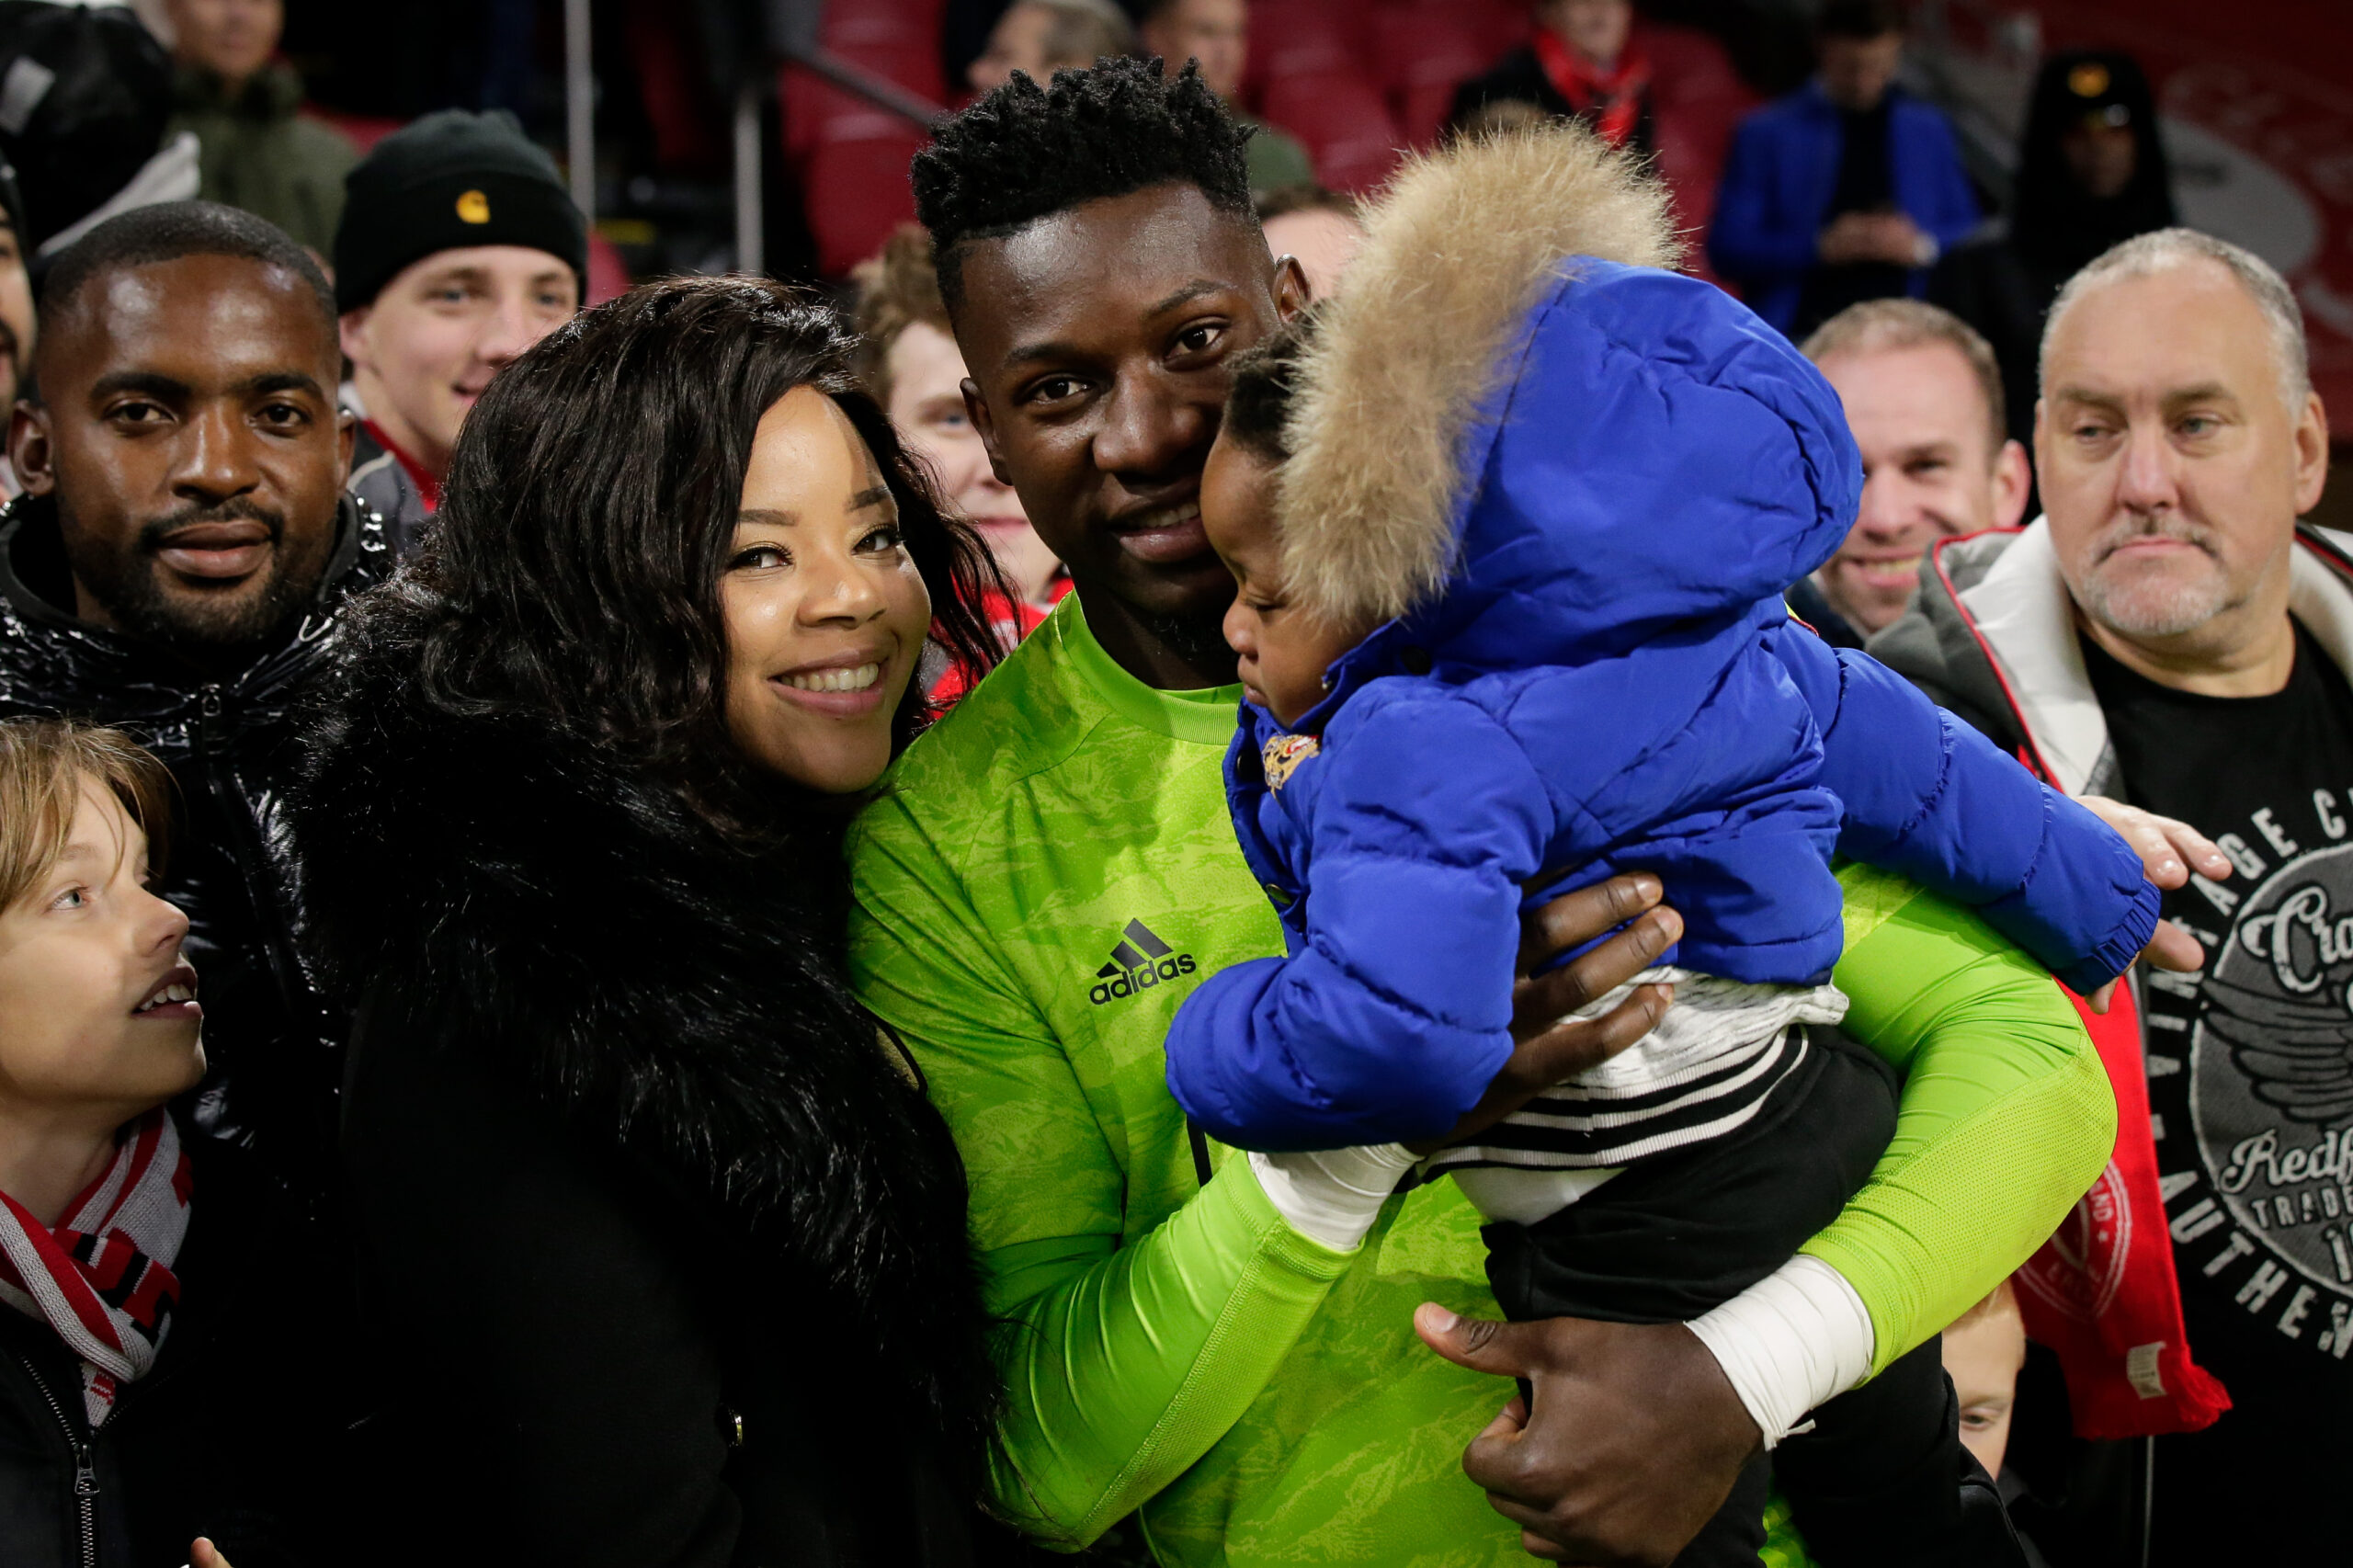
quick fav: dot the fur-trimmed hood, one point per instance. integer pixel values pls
(1516, 429)
(535, 898)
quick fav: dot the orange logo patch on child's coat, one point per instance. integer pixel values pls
(1283, 756)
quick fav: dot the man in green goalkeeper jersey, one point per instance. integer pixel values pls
(1224, 1345)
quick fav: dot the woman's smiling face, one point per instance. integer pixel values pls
(825, 610)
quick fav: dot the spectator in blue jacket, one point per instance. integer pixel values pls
(1848, 189)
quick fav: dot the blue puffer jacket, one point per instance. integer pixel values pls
(1607, 682)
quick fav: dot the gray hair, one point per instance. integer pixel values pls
(2144, 255)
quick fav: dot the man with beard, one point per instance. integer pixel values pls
(2171, 636)
(173, 567)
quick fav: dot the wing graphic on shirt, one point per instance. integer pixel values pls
(2296, 1053)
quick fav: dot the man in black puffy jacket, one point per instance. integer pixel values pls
(176, 568)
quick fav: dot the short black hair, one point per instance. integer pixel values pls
(1858, 19)
(1266, 383)
(170, 230)
(1025, 152)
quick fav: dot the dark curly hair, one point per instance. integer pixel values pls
(1266, 383)
(572, 577)
(1025, 152)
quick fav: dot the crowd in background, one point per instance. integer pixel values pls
(452, 678)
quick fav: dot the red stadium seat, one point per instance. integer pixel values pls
(1344, 122)
(1421, 52)
(1311, 75)
(607, 273)
(1424, 50)
(1697, 103)
(852, 156)
(1303, 37)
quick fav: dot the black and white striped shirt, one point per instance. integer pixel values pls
(1703, 1071)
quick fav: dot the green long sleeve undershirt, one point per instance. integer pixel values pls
(2007, 1117)
(1047, 874)
(1130, 1362)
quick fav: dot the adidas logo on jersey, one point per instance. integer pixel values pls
(1141, 962)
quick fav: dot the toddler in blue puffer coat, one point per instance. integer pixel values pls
(1511, 530)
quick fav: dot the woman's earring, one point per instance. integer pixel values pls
(1327, 681)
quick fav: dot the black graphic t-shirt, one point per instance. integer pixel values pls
(2251, 1094)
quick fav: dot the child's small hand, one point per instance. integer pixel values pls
(2169, 851)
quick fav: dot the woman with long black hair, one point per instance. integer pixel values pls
(662, 1251)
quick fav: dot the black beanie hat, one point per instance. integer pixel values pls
(444, 182)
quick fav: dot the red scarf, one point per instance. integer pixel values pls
(103, 1277)
(1011, 621)
(1610, 101)
(428, 487)
(2102, 1291)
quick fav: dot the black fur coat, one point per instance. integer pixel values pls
(638, 1187)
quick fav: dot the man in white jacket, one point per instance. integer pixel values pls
(2169, 634)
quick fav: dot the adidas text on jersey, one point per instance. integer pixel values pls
(1138, 962)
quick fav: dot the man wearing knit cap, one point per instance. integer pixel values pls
(458, 249)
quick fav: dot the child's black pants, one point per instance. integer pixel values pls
(1880, 1481)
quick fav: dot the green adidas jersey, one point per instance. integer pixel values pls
(1042, 880)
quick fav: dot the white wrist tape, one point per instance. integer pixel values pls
(1332, 1196)
(1796, 1339)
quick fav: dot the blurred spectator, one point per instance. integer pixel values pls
(458, 249)
(1924, 398)
(85, 128)
(174, 568)
(1499, 116)
(910, 363)
(1316, 226)
(1039, 38)
(1848, 190)
(1578, 62)
(18, 329)
(1216, 34)
(2091, 173)
(1982, 1353)
(2168, 635)
(256, 151)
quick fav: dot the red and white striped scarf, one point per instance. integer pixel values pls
(103, 1277)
